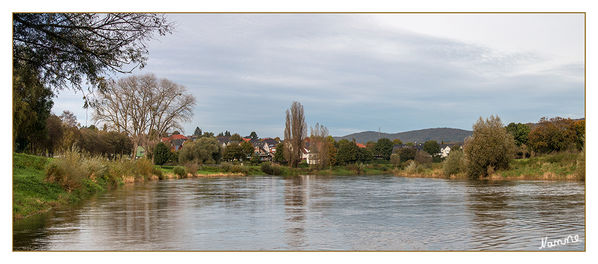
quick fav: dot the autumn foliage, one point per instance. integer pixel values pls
(557, 134)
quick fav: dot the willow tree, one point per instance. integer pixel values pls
(144, 108)
(295, 131)
(489, 148)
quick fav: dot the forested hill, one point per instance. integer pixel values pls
(422, 135)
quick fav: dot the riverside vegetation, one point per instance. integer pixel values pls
(40, 183)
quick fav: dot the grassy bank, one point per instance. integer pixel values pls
(555, 166)
(40, 183)
(32, 194)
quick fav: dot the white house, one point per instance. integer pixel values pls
(445, 151)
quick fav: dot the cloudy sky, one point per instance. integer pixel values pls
(357, 72)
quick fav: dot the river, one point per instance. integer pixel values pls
(315, 213)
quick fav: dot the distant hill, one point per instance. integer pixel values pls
(422, 135)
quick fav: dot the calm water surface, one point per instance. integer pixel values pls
(315, 213)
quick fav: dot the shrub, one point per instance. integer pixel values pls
(158, 172)
(454, 163)
(143, 167)
(490, 145)
(94, 167)
(118, 169)
(303, 164)
(161, 154)
(179, 171)
(356, 168)
(239, 169)
(395, 160)
(225, 167)
(191, 168)
(423, 157)
(271, 169)
(411, 166)
(66, 171)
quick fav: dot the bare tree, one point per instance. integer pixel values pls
(295, 132)
(144, 107)
(318, 146)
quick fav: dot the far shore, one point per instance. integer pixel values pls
(34, 194)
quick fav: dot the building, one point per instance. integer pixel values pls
(139, 152)
(176, 141)
(444, 152)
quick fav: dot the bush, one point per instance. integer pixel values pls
(490, 147)
(191, 168)
(303, 164)
(395, 160)
(66, 171)
(118, 169)
(271, 169)
(356, 168)
(411, 166)
(239, 169)
(94, 167)
(454, 163)
(143, 167)
(180, 171)
(423, 157)
(161, 154)
(225, 167)
(158, 172)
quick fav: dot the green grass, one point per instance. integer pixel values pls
(33, 195)
(560, 165)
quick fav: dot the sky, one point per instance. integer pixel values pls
(368, 72)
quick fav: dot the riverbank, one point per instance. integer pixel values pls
(40, 183)
(556, 166)
(33, 193)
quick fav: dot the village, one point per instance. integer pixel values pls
(265, 148)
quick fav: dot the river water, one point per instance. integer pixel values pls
(315, 213)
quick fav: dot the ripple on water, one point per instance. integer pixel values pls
(315, 213)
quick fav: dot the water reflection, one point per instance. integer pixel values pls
(489, 206)
(295, 196)
(314, 213)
